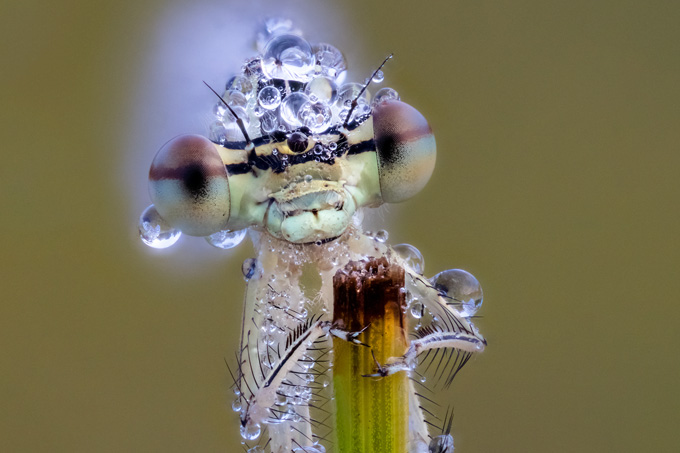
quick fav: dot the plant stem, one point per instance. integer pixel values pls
(371, 414)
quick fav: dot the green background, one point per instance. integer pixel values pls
(557, 183)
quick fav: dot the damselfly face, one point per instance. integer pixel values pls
(305, 157)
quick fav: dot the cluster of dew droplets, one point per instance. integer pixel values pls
(290, 84)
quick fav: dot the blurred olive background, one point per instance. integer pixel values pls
(558, 131)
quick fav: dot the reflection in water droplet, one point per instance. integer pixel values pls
(324, 88)
(155, 231)
(288, 57)
(226, 239)
(269, 122)
(330, 60)
(460, 286)
(381, 236)
(378, 77)
(412, 256)
(316, 116)
(236, 405)
(291, 106)
(239, 84)
(248, 268)
(269, 97)
(417, 309)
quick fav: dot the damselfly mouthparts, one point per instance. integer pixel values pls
(293, 157)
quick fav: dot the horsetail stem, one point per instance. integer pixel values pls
(371, 414)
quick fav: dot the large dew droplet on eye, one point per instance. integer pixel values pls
(462, 288)
(288, 57)
(156, 232)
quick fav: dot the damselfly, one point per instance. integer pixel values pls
(293, 157)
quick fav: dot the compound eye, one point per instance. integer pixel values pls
(406, 150)
(188, 185)
(297, 142)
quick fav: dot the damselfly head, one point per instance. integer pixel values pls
(293, 151)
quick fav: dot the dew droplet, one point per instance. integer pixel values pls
(239, 84)
(381, 236)
(155, 231)
(330, 60)
(235, 98)
(236, 405)
(248, 268)
(412, 256)
(316, 116)
(324, 88)
(417, 309)
(288, 57)
(385, 94)
(269, 97)
(291, 106)
(226, 239)
(460, 286)
(250, 431)
(441, 444)
(378, 77)
(269, 122)
(349, 91)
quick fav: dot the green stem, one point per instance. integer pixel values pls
(371, 414)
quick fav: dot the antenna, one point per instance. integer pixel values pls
(354, 101)
(239, 121)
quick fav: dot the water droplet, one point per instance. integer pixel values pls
(155, 231)
(272, 27)
(412, 256)
(291, 106)
(378, 77)
(250, 431)
(248, 268)
(235, 98)
(226, 239)
(441, 444)
(381, 235)
(308, 178)
(385, 94)
(239, 84)
(269, 97)
(288, 57)
(324, 88)
(349, 91)
(330, 60)
(236, 405)
(269, 122)
(417, 309)
(316, 116)
(460, 286)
